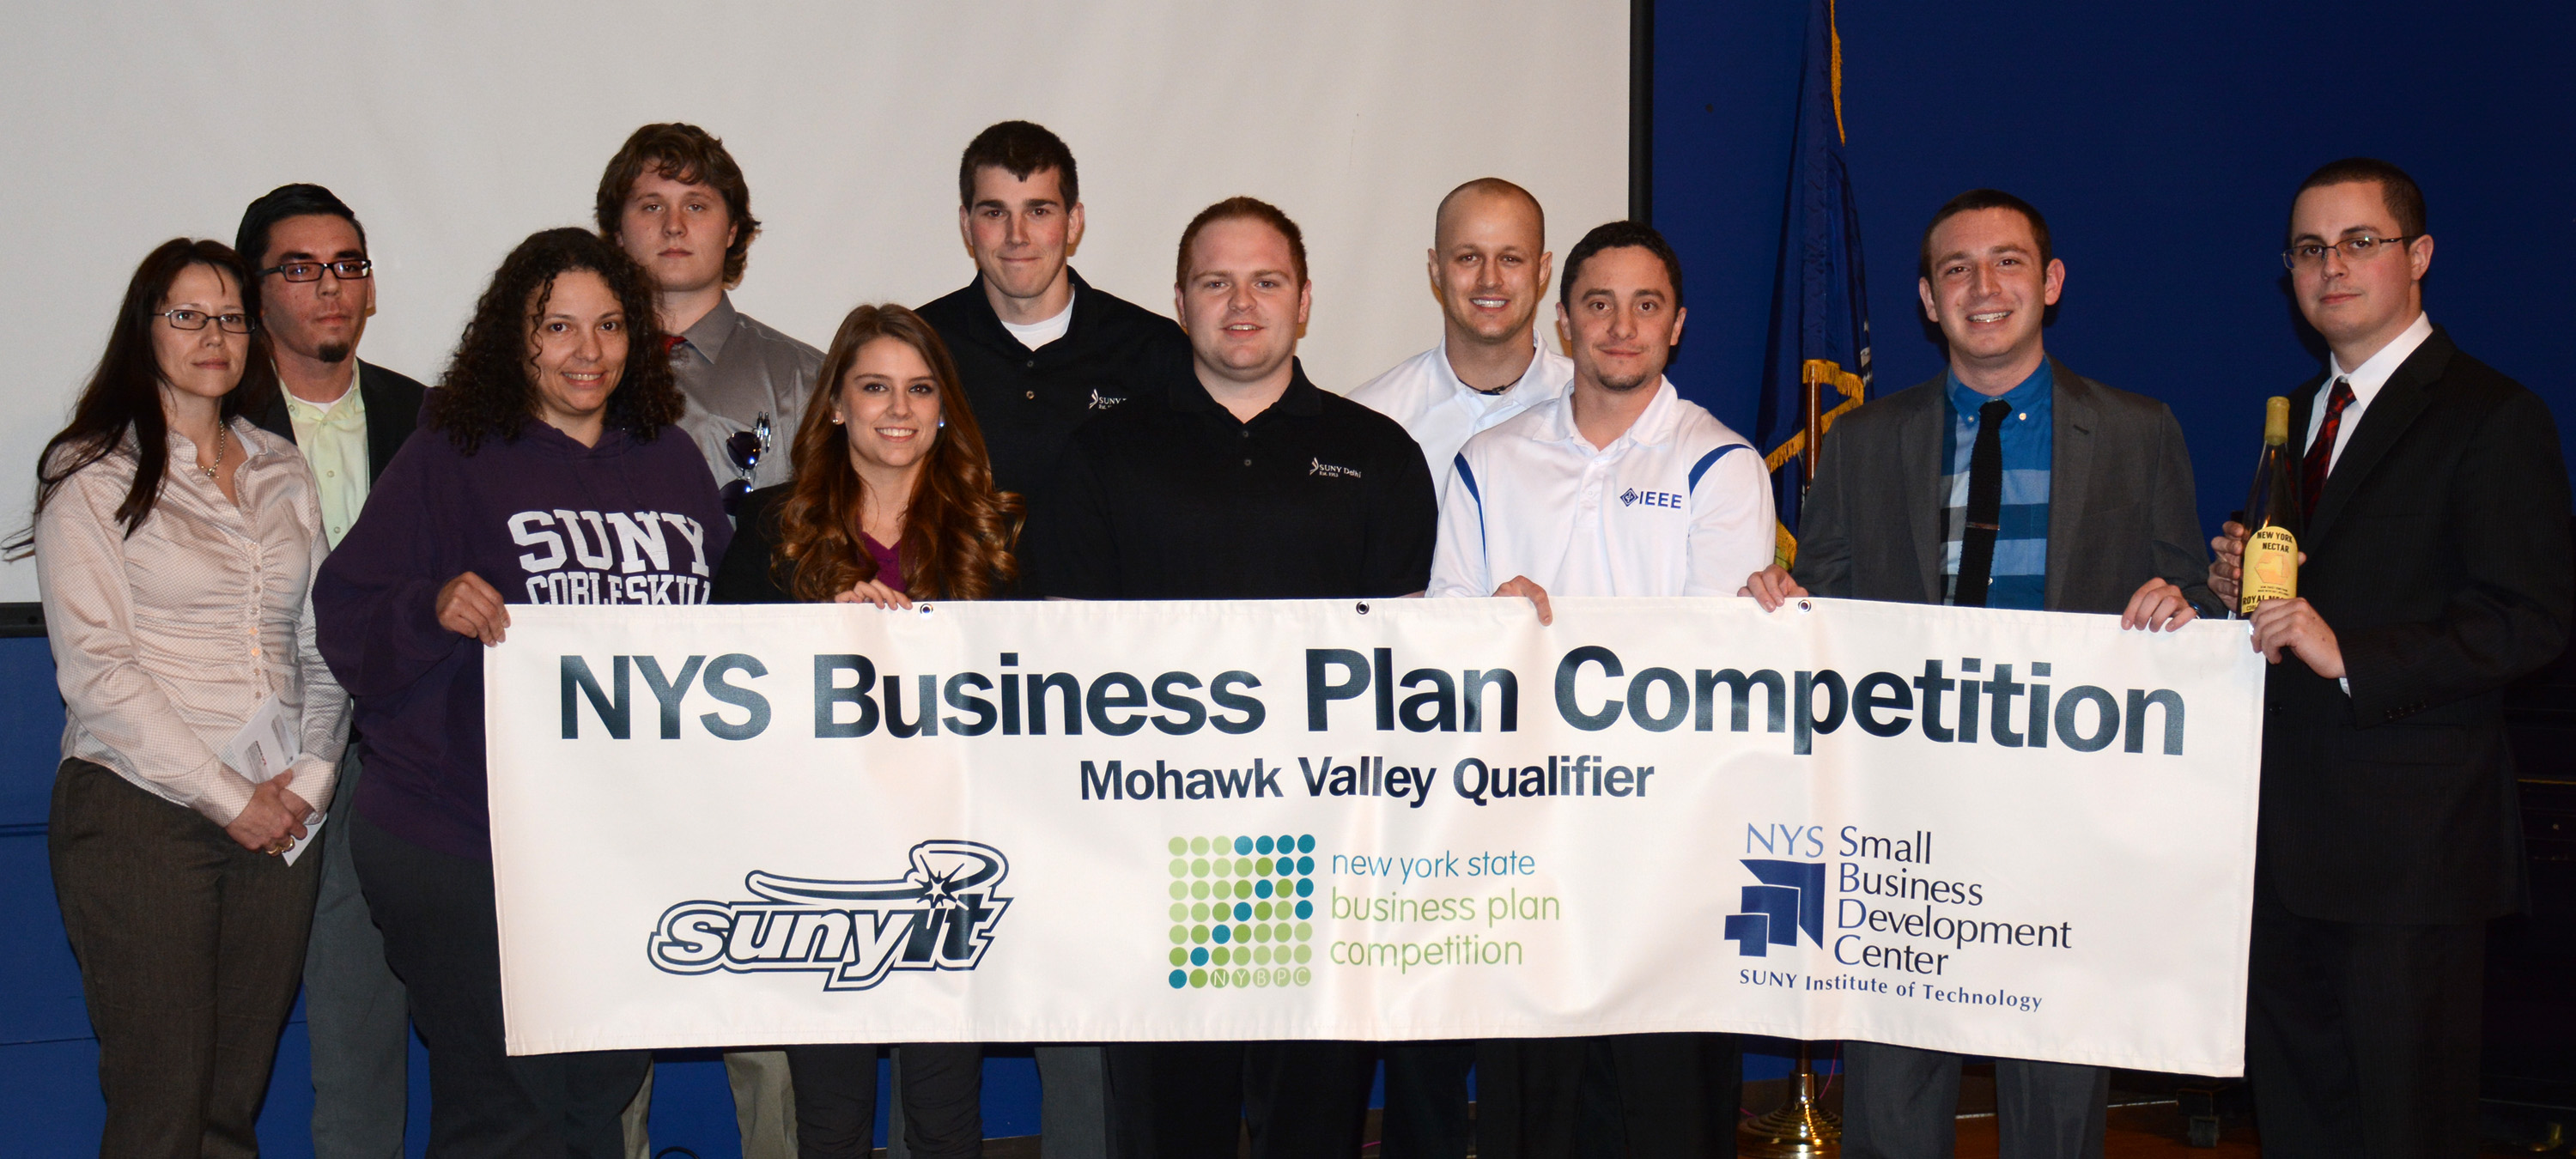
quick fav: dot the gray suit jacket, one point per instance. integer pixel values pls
(2120, 504)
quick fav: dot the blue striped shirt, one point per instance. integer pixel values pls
(2020, 575)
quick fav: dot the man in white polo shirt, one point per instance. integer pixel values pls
(1617, 488)
(1489, 267)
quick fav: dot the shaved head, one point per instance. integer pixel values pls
(1484, 193)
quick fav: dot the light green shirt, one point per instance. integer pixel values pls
(334, 441)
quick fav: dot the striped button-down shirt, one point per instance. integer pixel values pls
(2020, 575)
(166, 642)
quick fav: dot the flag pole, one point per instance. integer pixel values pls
(1799, 1129)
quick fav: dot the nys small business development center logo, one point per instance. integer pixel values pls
(939, 915)
(1791, 898)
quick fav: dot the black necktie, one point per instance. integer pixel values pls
(1985, 506)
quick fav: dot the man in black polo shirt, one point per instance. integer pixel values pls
(1039, 349)
(1231, 476)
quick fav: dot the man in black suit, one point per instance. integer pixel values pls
(312, 290)
(2009, 481)
(2436, 570)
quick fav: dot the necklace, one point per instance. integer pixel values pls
(219, 452)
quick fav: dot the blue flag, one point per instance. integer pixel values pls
(1819, 309)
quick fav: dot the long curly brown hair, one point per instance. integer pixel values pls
(489, 390)
(959, 534)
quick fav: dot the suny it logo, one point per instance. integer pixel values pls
(938, 916)
(1791, 898)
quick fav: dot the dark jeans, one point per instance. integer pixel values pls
(1185, 1100)
(189, 947)
(836, 1099)
(1426, 1100)
(1635, 1095)
(354, 1011)
(2361, 1039)
(1903, 1103)
(443, 942)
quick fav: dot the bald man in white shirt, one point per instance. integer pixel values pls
(1489, 267)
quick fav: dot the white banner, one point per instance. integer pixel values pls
(2009, 833)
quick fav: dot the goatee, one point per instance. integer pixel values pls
(334, 353)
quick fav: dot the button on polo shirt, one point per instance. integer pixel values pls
(1677, 505)
(1171, 497)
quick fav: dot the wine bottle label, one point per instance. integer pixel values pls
(2271, 567)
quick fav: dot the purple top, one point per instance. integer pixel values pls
(889, 561)
(541, 518)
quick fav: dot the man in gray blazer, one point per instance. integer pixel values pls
(2010, 481)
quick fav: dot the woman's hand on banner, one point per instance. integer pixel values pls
(468, 606)
(1771, 587)
(2158, 606)
(1521, 585)
(874, 594)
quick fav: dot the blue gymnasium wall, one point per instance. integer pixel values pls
(2163, 143)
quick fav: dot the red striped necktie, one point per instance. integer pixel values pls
(2312, 473)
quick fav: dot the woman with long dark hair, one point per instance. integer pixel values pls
(892, 501)
(176, 545)
(544, 471)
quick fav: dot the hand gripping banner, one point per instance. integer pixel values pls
(2006, 833)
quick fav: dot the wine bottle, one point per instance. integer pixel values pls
(2272, 516)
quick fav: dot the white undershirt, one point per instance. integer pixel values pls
(1037, 334)
(2365, 379)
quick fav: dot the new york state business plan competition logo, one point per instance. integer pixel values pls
(939, 915)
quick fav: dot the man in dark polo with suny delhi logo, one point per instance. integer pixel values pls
(2008, 482)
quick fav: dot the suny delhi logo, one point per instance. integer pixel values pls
(939, 915)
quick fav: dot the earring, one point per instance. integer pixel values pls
(943, 424)
(836, 420)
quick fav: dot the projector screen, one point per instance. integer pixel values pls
(455, 130)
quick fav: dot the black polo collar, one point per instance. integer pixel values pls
(1302, 398)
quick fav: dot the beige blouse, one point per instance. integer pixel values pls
(167, 642)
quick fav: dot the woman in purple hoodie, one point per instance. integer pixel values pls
(544, 471)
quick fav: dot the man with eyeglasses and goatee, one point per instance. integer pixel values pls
(2435, 571)
(313, 289)
(676, 202)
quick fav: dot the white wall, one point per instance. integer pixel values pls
(456, 129)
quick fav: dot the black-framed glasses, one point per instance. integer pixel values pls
(2310, 254)
(345, 269)
(745, 449)
(186, 319)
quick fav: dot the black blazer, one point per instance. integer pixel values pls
(393, 410)
(2120, 503)
(2439, 556)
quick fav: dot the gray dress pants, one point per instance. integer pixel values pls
(354, 1009)
(1903, 1103)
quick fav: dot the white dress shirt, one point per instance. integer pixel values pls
(167, 641)
(2366, 379)
(1677, 506)
(1423, 395)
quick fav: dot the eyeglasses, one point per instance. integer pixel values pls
(184, 319)
(2309, 255)
(744, 449)
(345, 269)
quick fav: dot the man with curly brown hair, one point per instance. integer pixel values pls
(676, 202)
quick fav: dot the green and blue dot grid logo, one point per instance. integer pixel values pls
(1241, 911)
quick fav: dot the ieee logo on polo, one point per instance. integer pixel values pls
(1241, 911)
(1632, 497)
